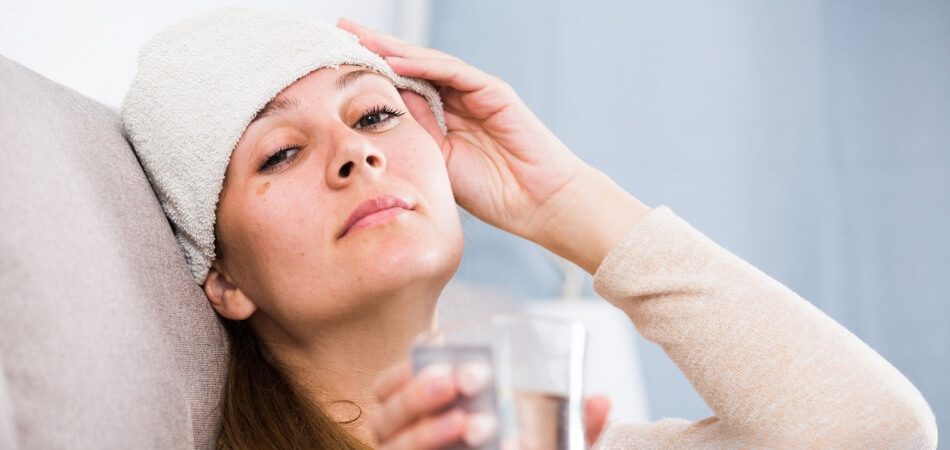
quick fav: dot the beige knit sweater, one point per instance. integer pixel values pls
(777, 372)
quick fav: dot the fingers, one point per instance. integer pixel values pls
(596, 409)
(419, 110)
(415, 61)
(387, 45)
(474, 429)
(359, 30)
(431, 391)
(430, 433)
(447, 72)
(391, 379)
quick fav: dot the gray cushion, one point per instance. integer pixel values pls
(105, 340)
(6, 415)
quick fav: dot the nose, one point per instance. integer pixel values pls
(355, 157)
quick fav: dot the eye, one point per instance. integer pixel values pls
(278, 159)
(377, 116)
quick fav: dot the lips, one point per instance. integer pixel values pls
(374, 211)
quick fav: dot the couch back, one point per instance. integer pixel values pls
(105, 340)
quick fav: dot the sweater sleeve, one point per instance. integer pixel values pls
(776, 371)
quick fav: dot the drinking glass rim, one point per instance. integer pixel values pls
(496, 319)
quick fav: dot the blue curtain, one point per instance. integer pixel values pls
(810, 138)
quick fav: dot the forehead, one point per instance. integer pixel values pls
(333, 79)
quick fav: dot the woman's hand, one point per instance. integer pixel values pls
(503, 163)
(407, 416)
(505, 166)
(411, 412)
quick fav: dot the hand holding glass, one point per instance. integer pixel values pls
(534, 393)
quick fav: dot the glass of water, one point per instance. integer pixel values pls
(534, 387)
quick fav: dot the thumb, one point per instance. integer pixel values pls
(596, 410)
(419, 109)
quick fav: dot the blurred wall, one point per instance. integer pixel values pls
(810, 138)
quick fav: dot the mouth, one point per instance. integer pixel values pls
(374, 211)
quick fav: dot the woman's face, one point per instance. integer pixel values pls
(334, 200)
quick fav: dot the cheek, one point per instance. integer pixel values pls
(287, 221)
(425, 167)
(274, 231)
(420, 160)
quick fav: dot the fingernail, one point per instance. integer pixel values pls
(447, 424)
(481, 428)
(439, 385)
(511, 443)
(436, 370)
(439, 379)
(473, 377)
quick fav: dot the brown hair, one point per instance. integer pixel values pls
(263, 409)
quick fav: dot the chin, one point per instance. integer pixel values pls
(435, 263)
(414, 261)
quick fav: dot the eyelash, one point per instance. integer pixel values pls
(270, 164)
(375, 111)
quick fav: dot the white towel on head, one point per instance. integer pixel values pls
(198, 86)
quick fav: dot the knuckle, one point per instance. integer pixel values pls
(381, 390)
(502, 85)
(407, 403)
(382, 427)
(419, 438)
(409, 439)
(427, 435)
(453, 77)
(393, 415)
(389, 381)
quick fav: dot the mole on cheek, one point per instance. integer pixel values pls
(262, 189)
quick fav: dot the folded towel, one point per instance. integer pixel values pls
(198, 86)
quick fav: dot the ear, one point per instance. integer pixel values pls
(226, 297)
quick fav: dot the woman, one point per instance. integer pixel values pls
(313, 188)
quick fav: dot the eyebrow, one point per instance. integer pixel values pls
(277, 106)
(281, 104)
(347, 78)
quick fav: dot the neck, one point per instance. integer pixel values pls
(338, 361)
